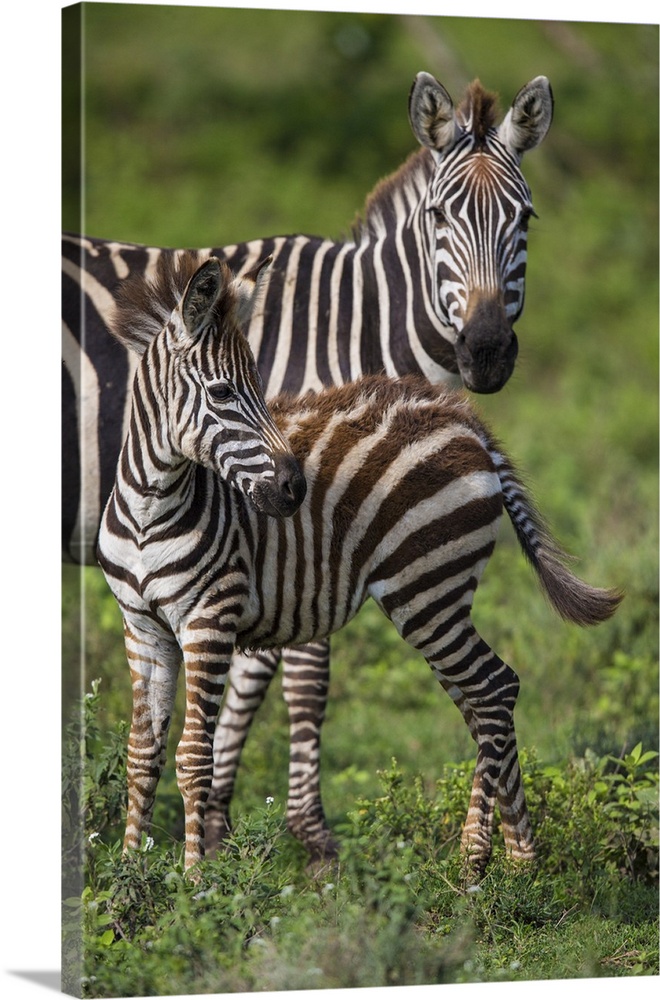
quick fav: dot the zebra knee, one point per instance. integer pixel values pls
(489, 691)
(509, 685)
(499, 692)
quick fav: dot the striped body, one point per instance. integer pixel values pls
(405, 489)
(430, 283)
(388, 471)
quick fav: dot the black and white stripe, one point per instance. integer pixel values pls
(404, 492)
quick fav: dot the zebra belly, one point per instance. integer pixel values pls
(292, 595)
(286, 632)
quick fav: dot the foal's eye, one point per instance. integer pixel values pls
(220, 392)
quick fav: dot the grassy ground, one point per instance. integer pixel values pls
(397, 909)
(287, 131)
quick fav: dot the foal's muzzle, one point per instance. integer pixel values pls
(282, 495)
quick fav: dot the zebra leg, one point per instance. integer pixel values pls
(154, 662)
(516, 824)
(489, 688)
(206, 673)
(306, 675)
(249, 678)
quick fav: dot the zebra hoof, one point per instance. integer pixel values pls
(473, 871)
(323, 856)
(217, 829)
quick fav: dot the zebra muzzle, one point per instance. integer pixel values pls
(281, 495)
(486, 348)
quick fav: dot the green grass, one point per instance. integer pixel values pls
(206, 126)
(396, 909)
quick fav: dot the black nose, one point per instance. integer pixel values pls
(281, 495)
(487, 348)
(291, 484)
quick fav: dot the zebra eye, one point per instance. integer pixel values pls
(526, 214)
(220, 392)
(439, 215)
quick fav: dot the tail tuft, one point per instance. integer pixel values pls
(573, 599)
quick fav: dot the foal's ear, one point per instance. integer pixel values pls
(201, 294)
(432, 115)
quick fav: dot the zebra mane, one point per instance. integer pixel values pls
(478, 111)
(145, 302)
(412, 176)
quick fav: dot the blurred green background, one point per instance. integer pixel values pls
(205, 126)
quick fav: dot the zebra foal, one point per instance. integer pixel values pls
(172, 541)
(405, 490)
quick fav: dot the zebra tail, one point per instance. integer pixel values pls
(573, 599)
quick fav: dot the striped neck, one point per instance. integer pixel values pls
(153, 478)
(394, 239)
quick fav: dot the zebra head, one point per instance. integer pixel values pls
(475, 216)
(217, 412)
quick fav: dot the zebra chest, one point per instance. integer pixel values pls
(175, 576)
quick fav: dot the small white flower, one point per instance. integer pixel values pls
(149, 843)
(92, 837)
(474, 889)
(269, 800)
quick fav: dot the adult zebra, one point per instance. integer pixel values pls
(405, 491)
(431, 282)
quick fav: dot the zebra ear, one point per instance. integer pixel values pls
(432, 115)
(248, 288)
(529, 117)
(201, 294)
(256, 271)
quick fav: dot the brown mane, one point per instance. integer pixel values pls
(478, 110)
(420, 161)
(144, 304)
